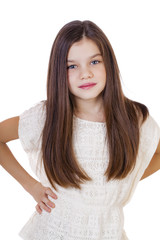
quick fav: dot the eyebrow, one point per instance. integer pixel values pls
(95, 55)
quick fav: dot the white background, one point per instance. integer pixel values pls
(27, 31)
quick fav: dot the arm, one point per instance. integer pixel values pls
(154, 165)
(9, 132)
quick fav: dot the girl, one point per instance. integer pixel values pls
(88, 144)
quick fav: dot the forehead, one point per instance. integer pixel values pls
(85, 47)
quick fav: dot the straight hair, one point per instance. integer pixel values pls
(123, 116)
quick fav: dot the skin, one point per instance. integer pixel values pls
(9, 132)
(85, 65)
(154, 165)
(83, 68)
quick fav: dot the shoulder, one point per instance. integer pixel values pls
(31, 123)
(150, 125)
(149, 136)
(34, 110)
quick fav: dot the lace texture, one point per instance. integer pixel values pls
(96, 211)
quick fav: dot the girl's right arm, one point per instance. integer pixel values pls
(9, 132)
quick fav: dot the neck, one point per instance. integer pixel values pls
(90, 109)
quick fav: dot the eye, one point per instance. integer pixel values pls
(95, 62)
(71, 67)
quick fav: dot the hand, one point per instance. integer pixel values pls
(40, 194)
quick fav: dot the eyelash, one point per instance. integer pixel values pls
(96, 61)
(72, 66)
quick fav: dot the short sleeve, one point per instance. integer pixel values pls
(31, 123)
(149, 139)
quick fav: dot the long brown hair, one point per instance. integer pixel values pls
(122, 114)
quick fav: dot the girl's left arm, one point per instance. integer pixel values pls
(154, 165)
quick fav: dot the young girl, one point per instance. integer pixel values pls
(88, 144)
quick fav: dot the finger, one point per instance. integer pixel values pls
(48, 202)
(51, 193)
(43, 206)
(39, 210)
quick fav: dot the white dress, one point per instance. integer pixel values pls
(96, 211)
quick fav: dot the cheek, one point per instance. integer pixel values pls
(72, 76)
(102, 74)
(69, 77)
(71, 82)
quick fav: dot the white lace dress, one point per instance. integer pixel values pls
(96, 211)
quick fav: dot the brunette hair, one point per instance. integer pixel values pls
(122, 114)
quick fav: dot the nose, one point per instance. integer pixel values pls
(86, 73)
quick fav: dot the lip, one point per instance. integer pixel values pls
(87, 85)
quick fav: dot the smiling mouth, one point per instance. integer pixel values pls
(87, 85)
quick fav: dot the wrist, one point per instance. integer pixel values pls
(29, 185)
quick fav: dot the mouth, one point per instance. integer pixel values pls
(87, 85)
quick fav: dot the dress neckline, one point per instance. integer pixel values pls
(87, 121)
